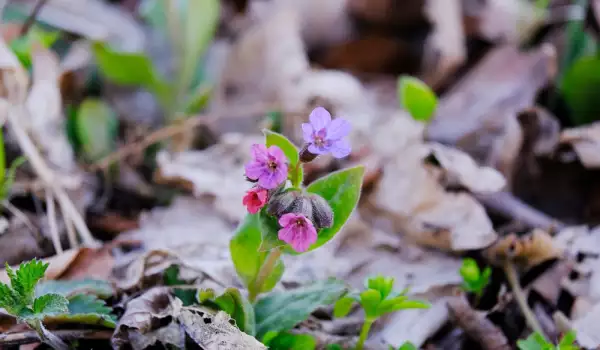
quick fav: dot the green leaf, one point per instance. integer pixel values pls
(407, 346)
(568, 340)
(469, 270)
(24, 280)
(8, 181)
(370, 300)
(85, 309)
(417, 98)
(10, 300)
(269, 229)
(135, 69)
(244, 249)
(239, 308)
(23, 45)
(334, 347)
(341, 189)
(198, 99)
(288, 341)
(50, 304)
(291, 152)
(96, 127)
(535, 341)
(281, 311)
(199, 23)
(343, 306)
(580, 89)
(381, 284)
(171, 278)
(101, 288)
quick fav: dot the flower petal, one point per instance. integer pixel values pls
(341, 148)
(259, 152)
(254, 170)
(338, 129)
(278, 154)
(308, 133)
(268, 180)
(319, 118)
(286, 234)
(287, 219)
(314, 149)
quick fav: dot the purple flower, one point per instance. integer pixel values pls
(297, 231)
(268, 166)
(324, 135)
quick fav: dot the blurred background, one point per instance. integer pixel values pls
(477, 121)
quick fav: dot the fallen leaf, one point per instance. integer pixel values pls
(460, 168)
(528, 250)
(214, 332)
(216, 171)
(586, 143)
(147, 319)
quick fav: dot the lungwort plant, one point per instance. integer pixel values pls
(284, 217)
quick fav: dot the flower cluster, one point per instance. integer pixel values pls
(299, 214)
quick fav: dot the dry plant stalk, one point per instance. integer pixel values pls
(476, 326)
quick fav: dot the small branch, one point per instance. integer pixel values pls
(519, 294)
(506, 204)
(51, 213)
(173, 130)
(33, 16)
(32, 337)
(71, 233)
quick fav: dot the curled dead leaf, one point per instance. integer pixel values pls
(527, 251)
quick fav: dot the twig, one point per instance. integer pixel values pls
(506, 204)
(476, 326)
(16, 114)
(172, 130)
(21, 216)
(71, 233)
(519, 294)
(32, 17)
(32, 337)
(51, 213)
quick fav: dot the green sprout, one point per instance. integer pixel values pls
(536, 341)
(19, 300)
(474, 280)
(377, 300)
(417, 98)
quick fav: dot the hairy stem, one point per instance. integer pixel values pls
(265, 271)
(513, 280)
(364, 333)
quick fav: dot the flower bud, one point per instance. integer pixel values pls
(312, 206)
(305, 155)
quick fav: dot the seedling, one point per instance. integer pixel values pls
(18, 300)
(474, 280)
(536, 341)
(377, 300)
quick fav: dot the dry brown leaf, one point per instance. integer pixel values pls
(216, 171)
(147, 319)
(475, 114)
(586, 143)
(461, 169)
(413, 197)
(445, 49)
(502, 20)
(216, 332)
(587, 328)
(528, 250)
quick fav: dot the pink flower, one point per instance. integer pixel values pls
(323, 135)
(255, 199)
(297, 231)
(268, 166)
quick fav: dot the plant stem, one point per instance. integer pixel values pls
(364, 333)
(265, 271)
(513, 280)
